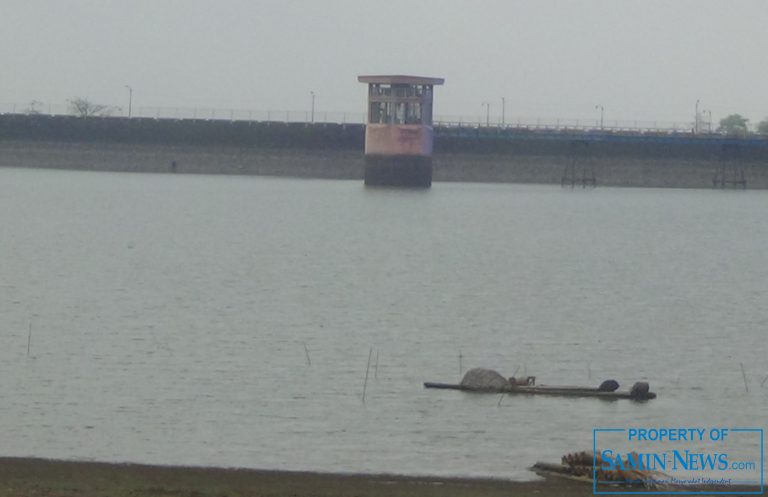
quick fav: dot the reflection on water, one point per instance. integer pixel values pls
(170, 313)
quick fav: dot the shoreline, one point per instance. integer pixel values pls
(55, 478)
(60, 478)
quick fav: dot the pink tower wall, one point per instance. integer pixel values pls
(400, 139)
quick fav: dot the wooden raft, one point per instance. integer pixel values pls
(546, 390)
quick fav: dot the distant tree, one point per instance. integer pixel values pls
(734, 124)
(762, 127)
(32, 109)
(82, 107)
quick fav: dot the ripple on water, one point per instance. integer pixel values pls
(176, 333)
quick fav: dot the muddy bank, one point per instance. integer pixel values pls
(49, 478)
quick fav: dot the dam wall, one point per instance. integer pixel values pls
(335, 151)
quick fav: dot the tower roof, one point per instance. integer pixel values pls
(400, 79)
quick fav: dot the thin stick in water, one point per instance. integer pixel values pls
(368, 367)
(306, 351)
(744, 375)
(461, 369)
(29, 338)
(501, 397)
(376, 367)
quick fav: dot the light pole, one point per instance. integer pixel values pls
(602, 114)
(312, 118)
(503, 109)
(130, 99)
(487, 106)
(696, 118)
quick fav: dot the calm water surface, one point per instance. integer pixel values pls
(170, 314)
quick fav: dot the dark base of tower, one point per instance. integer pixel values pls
(410, 171)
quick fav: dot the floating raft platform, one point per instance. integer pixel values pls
(482, 380)
(566, 391)
(546, 390)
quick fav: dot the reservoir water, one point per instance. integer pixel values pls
(228, 320)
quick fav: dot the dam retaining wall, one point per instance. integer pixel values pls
(335, 151)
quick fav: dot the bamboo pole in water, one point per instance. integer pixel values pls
(744, 376)
(367, 368)
(306, 351)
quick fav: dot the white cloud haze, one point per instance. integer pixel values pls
(649, 59)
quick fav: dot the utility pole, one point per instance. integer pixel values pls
(696, 119)
(503, 109)
(487, 106)
(602, 114)
(130, 99)
(312, 118)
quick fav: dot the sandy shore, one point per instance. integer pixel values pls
(50, 478)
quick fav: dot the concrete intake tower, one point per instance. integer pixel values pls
(398, 133)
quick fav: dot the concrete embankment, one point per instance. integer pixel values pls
(196, 159)
(336, 151)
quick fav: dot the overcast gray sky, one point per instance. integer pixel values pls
(649, 59)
